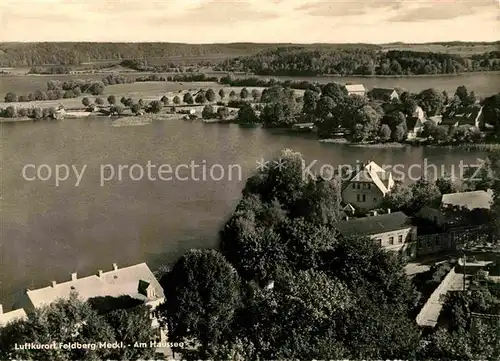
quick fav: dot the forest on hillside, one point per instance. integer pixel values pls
(33, 54)
(358, 61)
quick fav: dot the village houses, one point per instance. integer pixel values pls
(415, 123)
(137, 282)
(356, 89)
(367, 186)
(464, 117)
(383, 94)
(392, 231)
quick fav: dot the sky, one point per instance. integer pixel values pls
(262, 21)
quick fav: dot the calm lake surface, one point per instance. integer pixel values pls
(49, 231)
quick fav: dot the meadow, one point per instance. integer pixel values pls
(147, 91)
(483, 84)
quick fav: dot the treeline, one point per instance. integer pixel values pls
(36, 113)
(362, 61)
(33, 54)
(56, 90)
(50, 70)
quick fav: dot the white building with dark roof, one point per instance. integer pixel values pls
(468, 200)
(367, 186)
(393, 231)
(7, 317)
(136, 281)
(356, 89)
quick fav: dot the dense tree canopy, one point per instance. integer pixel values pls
(69, 321)
(204, 294)
(360, 60)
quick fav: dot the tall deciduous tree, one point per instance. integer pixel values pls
(431, 101)
(310, 101)
(244, 93)
(210, 95)
(112, 100)
(246, 115)
(204, 294)
(188, 98)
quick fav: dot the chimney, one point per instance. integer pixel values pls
(99, 273)
(73, 276)
(1, 309)
(388, 211)
(115, 266)
(54, 283)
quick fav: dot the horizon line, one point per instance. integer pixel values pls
(244, 42)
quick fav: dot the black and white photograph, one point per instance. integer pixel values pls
(249, 180)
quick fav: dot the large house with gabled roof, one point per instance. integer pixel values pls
(383, 94)
(392, 231)
(470, 116)
(356, 89)
(137, 282)
(367, 186)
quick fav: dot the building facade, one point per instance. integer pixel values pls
(393, 232)
(367, 186)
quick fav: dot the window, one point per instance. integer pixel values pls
(354, 185)
(391, 240)
(358, 198)
(367, 185)
(364, 198)
(400, 238)
(379, 241)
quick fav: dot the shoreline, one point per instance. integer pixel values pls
(239, 74)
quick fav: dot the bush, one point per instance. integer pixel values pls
(69, 94)
(210, 95)
(22, 112)
(10, 97)
(201, 98)
(188, 98)
(155, 106)
(116, 109)
(135, 108)
(223, 112)
(99, 101)
(10, 112)
(244, 93)
(112, 100)
(208, 112)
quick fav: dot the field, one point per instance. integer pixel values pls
(483, 84)
(464, 49)
(147, 91)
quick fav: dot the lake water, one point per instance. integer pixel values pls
(49, 231)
